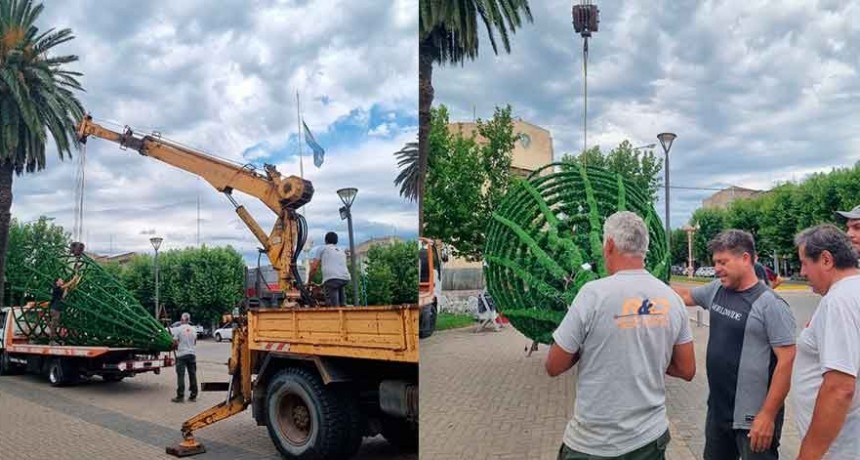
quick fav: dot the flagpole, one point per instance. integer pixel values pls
(299, 124)
(301, 150)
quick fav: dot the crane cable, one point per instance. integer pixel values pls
(80, 180)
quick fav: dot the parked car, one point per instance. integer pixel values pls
(225, 332)
(201, 332)
(706, 272)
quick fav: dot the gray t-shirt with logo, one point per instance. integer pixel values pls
(625, 327)
(745, 326)
(186, 337)
(830, 342)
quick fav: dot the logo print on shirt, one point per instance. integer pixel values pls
(637, 312)
(737, 316)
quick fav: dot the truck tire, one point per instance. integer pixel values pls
(356, 422)
(56, 373)
(427, 320)
(7, 367)
(61, 372)
(400, 433)
(307, 420)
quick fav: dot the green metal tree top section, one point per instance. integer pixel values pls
(98, 311)
(546, 241)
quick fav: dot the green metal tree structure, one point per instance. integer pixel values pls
(98, 311)
(546, 241)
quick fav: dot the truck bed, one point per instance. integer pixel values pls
(388, 333)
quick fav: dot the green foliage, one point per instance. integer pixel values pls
(680, 254)
(31, 243)
(407, 179)
(392, 274)
(710, 222)
(205, 282)
(37, 99)
(36, 89)
(452, 321)
(544, 232)
(467, 178)
(640, 166)
(448, 29)
(775, 217)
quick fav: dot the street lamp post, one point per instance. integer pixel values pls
(666, 140)
(347, 196)
(156, 243)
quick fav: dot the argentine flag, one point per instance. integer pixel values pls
(319, 153)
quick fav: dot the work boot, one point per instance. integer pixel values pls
(178, 399)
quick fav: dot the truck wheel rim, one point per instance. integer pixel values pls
(295, 419)
(52, 375)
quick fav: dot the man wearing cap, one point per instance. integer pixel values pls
(852, 221)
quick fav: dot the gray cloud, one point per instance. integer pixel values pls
(758, 92)
(222, 77)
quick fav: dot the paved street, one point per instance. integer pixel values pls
(483, 398)
(133, 419)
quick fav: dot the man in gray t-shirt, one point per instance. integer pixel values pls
(185, 341)
(825, 387)
(750, 354)
(626, 331)
(335, 275)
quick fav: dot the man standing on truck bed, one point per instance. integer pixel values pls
(57, 296)
(334, 272)
(184, 339)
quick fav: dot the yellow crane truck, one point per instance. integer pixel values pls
(319, 378)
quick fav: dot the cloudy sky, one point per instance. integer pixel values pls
(757, 92)
(222, 76)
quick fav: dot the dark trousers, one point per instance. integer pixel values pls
(335, 293)
(722, 442)
(183, 363)
(655, 450)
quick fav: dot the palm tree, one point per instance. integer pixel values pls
(36, 98)
(448, 34)
(407, 161)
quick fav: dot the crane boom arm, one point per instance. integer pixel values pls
(273, 189)
(283, 195)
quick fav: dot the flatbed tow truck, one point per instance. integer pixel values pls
(66, 364)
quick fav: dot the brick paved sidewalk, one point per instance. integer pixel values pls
(482, 398)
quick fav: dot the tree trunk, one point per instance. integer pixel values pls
(425, 100)
(6, 171)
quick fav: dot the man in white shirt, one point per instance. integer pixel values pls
(185, 339)
(626, 331)
(334, 272)
(824, 383)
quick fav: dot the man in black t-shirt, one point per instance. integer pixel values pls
(57, 296)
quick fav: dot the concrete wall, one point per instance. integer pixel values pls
(462, 279)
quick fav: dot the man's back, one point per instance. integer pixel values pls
(333, 261)
(625, 328)
(186, 337)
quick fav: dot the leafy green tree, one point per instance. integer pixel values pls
(711, 222)
(36, 99)
(467, 179)
(448, 34)
(679, 247)
(25, 241)
(205, 282)
(407, 179)
(642, 167)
